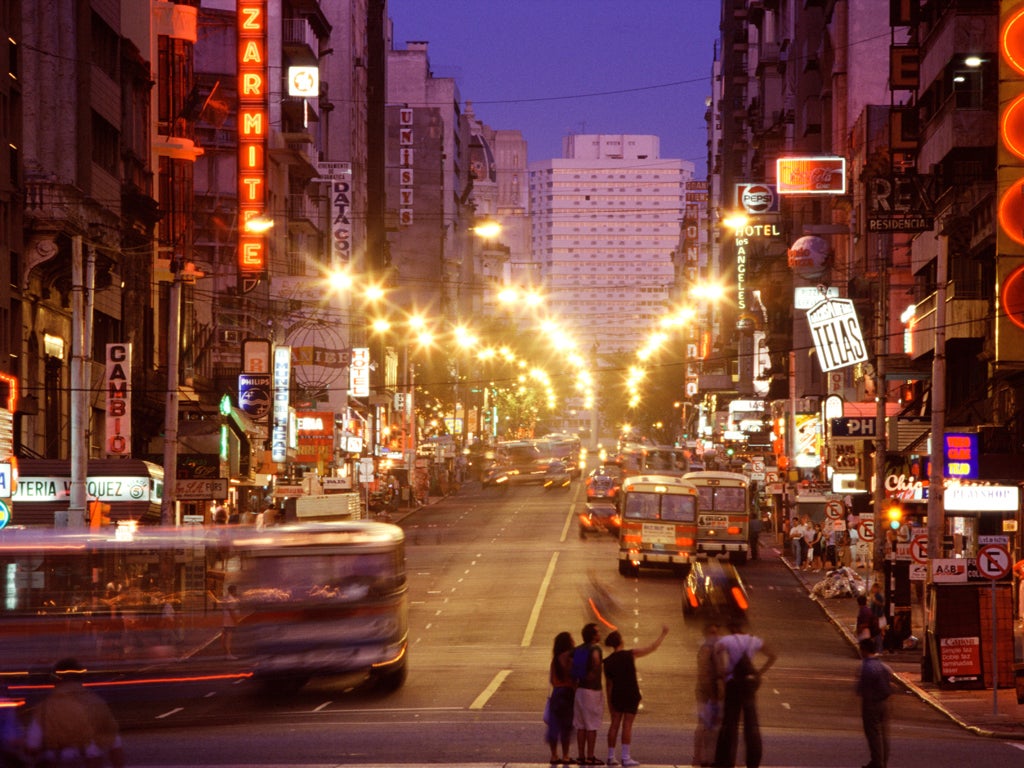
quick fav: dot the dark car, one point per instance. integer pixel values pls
(715, 590)
(599, 518)
(604, 483)
(557, 476)
(496, 475)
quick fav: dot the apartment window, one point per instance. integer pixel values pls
(105, 142)
(967, 88)
(106, 47)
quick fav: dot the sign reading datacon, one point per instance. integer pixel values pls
(252, 139)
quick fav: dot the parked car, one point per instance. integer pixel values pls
(557, 476)
(599, 517)
(714, 589)
(604, 483)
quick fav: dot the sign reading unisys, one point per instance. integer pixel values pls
(252, 139)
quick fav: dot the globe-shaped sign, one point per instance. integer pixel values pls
(809, 256)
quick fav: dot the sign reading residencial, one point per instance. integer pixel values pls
(836, 333)
(900, 203)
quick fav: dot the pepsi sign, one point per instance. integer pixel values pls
(757, 199)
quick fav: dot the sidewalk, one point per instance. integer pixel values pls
(972, 710)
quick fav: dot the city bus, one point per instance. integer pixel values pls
(130, 604)
(723, 520)
(658, 523)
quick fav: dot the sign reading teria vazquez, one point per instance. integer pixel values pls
(836, 333)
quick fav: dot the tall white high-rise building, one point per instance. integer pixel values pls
(606, 223)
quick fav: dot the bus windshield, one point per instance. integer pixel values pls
(722, 499)
(658, 506)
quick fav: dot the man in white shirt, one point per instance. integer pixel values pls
(796, 538)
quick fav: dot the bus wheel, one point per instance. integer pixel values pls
(389, 679)
(626, 568)
(284, 685)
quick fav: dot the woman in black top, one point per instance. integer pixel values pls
(624, 692)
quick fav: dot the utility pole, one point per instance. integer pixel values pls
(881, 397)
(168, 506)
(80, 438)
(936, 474)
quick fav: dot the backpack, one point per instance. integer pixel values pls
(580, 662)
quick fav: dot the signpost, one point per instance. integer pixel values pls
(994, 564)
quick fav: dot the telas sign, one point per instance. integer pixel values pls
(836, 332)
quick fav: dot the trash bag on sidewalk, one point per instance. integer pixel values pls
(842, 582)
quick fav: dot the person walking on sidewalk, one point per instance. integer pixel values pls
(734, 657)
(874, 686)
(624, 691)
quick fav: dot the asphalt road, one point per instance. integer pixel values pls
(493, 577)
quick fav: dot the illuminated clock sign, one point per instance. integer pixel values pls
(253, 84)
(960, 452)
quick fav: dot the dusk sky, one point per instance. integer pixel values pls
(553, 67)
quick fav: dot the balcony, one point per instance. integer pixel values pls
(303, 214)
(299, 41)
(966, 318)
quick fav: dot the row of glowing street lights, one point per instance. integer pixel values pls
(679, 318)
(424, 334)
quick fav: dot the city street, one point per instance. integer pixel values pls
(493, 577)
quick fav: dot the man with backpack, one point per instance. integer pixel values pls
(588, 706)
(734, 658)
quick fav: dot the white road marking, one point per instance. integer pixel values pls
(490, 690)
(531, 624)
(322, 706)
(174, 711)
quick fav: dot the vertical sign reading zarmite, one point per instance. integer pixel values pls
(252, 139)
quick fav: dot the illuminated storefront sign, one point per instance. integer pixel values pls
(252, 139)
(406, 174)
(981, 498)
(836, 332)
(282, 385)
(811, 175)
(119, 399)
(960, 450)
(359, 373)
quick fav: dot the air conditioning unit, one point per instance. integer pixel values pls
(231, 337)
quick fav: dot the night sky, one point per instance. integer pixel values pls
(553, 67)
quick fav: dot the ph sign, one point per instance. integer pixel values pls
(960, 454)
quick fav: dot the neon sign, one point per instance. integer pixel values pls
(252, 137)
(961, 453)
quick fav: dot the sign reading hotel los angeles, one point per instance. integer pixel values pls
(252, 139)
(836, 332)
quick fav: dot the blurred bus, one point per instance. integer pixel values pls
(314, 599)
(565, 448)
(723, 520)
(524, 460)
(658, 523)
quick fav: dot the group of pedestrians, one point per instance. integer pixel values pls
(581, 679)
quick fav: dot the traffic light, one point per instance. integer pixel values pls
(99, 514)
(894, 513)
